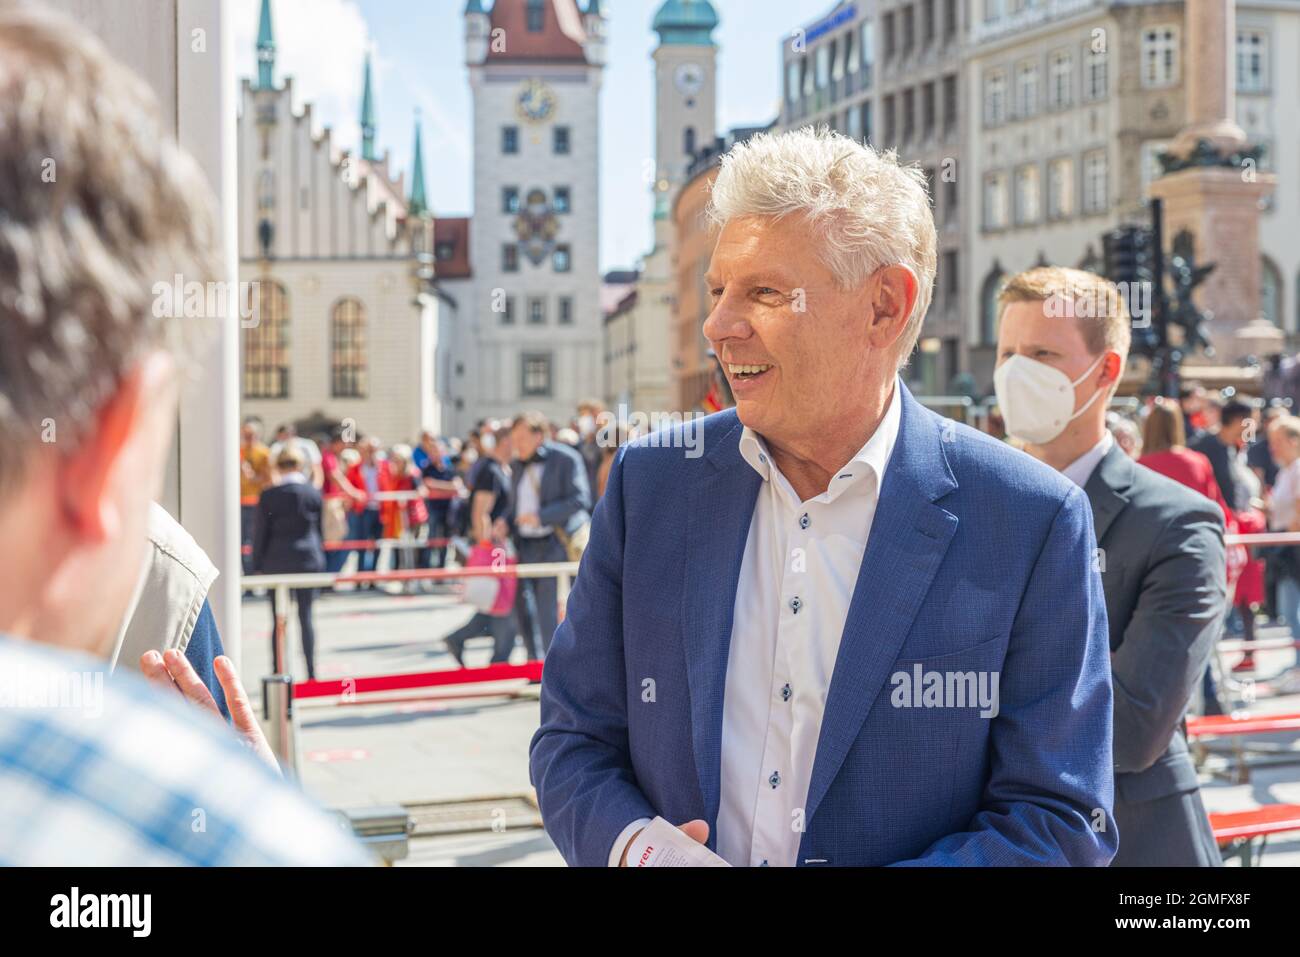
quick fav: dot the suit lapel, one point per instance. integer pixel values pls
(721, 507)
(909, 538)
(1107, 489)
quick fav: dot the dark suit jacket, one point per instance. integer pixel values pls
(565, 496)
(1220, 457)
(1164, 575)
(287, 534)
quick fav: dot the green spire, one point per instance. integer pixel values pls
(265, 50)
(419, 205)
(474, 6)
(368, 119)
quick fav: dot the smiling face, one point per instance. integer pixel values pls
(801, 354)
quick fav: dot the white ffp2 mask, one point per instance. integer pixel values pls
(1037, 400)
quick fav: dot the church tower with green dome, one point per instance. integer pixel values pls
(686, 73)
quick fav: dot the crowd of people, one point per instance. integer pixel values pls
(520, 490)
(1242, 454)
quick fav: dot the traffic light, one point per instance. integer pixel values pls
(1129, 262)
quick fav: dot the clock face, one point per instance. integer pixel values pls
(535, 101)
(690, 78)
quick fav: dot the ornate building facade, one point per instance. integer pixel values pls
(348, 324)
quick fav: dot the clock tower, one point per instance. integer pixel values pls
(686, 70)
(535, 340)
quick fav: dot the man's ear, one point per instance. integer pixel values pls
(1113, 366)
(121, 438)
(894, 293)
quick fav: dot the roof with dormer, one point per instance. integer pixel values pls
(560, 40)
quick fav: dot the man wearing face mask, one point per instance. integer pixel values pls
(1161, 550)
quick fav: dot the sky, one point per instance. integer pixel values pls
(419, 62)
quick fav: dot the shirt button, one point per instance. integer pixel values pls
(805, 521)
(775, 779)
(795, 604)
(786, 692)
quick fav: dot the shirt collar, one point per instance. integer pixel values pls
(1081, 469)
(871, 459)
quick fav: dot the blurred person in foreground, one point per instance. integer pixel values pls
(738, 649)
(1161, 550)
(287, 541)
(109, 772)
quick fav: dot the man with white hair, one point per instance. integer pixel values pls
(851, 632)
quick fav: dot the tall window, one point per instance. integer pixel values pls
(1027, 88)
(561, 140)
(1270, 292)
(928, 96)
(1095, 182)
(949, 105)
(995, 201)
(1060, 80)
(1027, 194)
(510, 199)
(989, 306)
(1060, 188)
(950, 204)
(536, 16)
(995, 98)
(536, 311)
(1151, 168)
(562, 202)
(792, 81)
(887, 31)
(562, 259)
(866, 122)
(266, 345)
(868, 52)
(535, 375)
(348, 350)
(909, 114)
(510, 140)
(508, 311)
(688, 141)
(510, 258)
(909, 30)
(566, 311)
(1159, 57)
(1252, 61)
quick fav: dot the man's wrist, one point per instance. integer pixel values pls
(624, 841)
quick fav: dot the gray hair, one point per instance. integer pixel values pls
(97, 205)
(869, 210)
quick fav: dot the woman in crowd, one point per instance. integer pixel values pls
(287, 540)
(410, 516)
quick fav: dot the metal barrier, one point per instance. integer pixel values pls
(279, 691)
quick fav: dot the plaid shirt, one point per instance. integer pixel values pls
(100, 771)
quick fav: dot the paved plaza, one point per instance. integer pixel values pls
(460, 761)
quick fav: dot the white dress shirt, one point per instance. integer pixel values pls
(797, 578)
(1081, 469)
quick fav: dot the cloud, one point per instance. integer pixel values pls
(322, 45)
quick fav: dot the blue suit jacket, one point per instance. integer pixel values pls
(979, 559)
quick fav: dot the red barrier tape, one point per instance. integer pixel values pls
(348, 546)
(532, 670)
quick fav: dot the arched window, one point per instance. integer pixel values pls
(348, 351)
(989, 306)
(1270, 292)
(266, 343)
